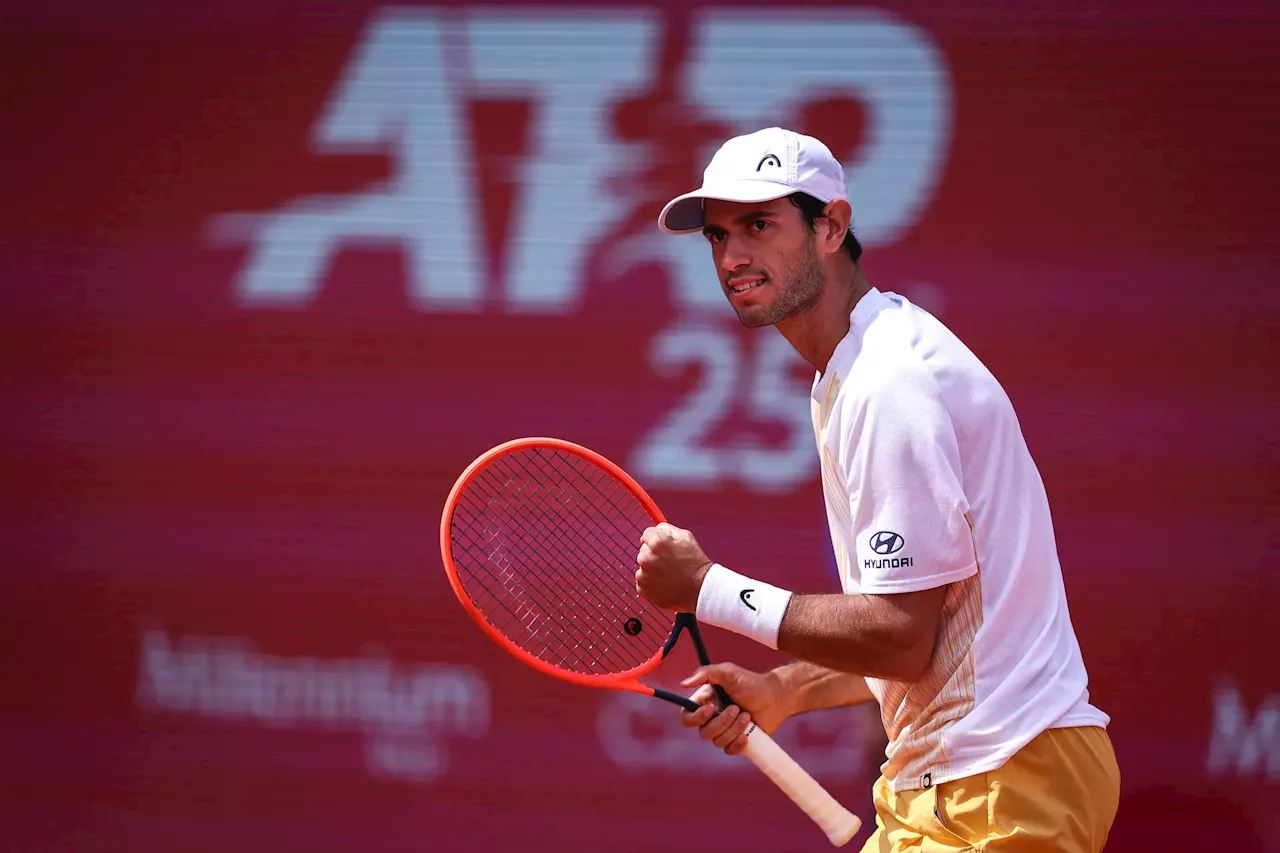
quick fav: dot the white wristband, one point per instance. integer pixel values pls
(740, 604)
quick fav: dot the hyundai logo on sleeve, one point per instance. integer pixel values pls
(886, 542)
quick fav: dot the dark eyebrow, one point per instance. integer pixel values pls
(749, 216)
(752, 216)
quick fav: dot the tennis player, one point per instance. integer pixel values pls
(953, 614)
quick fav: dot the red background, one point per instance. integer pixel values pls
(1101, 235)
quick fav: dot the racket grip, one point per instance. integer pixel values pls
(835, 820)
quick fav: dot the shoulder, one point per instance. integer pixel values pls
(910, 358)
(891, 372)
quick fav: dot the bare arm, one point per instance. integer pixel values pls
(804, 686)
(884, 636)
(767, 698)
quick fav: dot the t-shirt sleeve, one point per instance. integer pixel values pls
(908, 508)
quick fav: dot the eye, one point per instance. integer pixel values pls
(759, 225)
(713, 237)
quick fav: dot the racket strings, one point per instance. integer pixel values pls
(583, 522)
(506, 587)
(544, 542)
(546, 638)
(515, 596)
(619, 499)
(601, 487)
(503, 589)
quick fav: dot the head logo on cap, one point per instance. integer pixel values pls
(769, 160)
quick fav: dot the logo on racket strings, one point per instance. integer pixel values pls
(745, 595)
(632, 626)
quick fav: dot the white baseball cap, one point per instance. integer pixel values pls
(761, 166)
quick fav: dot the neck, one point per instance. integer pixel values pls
(816, 333)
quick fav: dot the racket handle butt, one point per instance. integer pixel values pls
(839, 824)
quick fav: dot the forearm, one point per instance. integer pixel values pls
(866, 635)
(803, 686)
(884, 636)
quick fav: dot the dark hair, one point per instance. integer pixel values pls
(811, 209)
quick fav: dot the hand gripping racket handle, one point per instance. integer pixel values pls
(836, 821)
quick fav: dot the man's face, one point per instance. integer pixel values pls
(766, 258)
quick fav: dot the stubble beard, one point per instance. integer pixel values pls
(797, 292)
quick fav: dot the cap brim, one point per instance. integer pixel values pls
(684, 214)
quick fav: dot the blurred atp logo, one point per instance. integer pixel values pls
(610, 120)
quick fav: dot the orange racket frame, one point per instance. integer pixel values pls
(627, 680)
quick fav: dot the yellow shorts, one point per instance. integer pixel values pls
(1059, 792)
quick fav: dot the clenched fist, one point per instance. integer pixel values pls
(672, 566)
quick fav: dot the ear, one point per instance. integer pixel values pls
(835, 225)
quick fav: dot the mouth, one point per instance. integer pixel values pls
(739, 286)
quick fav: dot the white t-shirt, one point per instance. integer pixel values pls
(928, 481)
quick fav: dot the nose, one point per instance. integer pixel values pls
(732, 254)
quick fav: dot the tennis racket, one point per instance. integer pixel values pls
(539, 538)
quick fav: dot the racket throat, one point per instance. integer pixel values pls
(688, 622)
(684, 622)
(676, 698)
